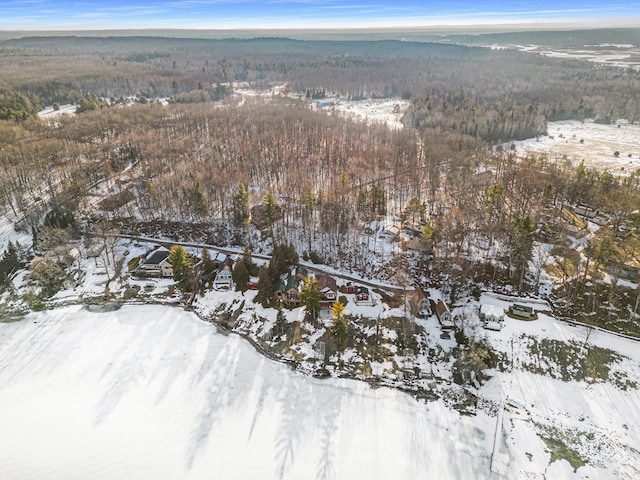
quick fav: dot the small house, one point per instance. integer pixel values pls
(328, 288)
(224, 280)
(350, 287)
(362, 294)
(156, 263)
(253, 283)
(521, 311)
(444, 314)
(492, 316)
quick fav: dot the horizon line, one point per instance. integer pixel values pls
(503, 27)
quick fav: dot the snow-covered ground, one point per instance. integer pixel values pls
(49, 113)
(384, 111)
(9, 234)
(152, 392)
(594, 143)
(611, 54)
(599, 420)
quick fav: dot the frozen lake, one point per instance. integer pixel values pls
(153, 392)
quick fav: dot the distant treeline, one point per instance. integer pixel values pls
(491, 94)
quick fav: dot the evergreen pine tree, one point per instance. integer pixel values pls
(240, 204)
(281, 323)
(265, 286)
(180, 262)
(240, 275)
(340, 332)
(310, 297)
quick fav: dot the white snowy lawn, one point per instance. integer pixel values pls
(153, 392)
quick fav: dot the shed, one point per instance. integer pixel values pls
(521, 311)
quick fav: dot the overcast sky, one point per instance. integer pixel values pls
(250, 14)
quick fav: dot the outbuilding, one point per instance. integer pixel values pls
(521, 311)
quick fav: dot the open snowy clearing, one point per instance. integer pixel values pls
(599, 419)
(620, 55)
(610, 54)
(383, 112)
(49, 113)
(594, 143)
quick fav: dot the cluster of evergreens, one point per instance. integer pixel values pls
(16, 106)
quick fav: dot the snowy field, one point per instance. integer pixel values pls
(153, 392)
(384, 112)
(611, 54)
(49, 113)
(594, 143)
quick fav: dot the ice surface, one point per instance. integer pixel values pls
(153, 392)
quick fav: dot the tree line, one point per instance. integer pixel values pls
(491, 94)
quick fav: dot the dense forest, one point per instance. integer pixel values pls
(471, 212)
(492, 94)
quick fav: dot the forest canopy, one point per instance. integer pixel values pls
(491, 94)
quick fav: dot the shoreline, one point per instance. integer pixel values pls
(374, 382)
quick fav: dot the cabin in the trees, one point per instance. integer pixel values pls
(444, 314)
(156, 263)
(292, 290)
(328, 288)
(224, 280)
(586, 211)
(288, 291)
